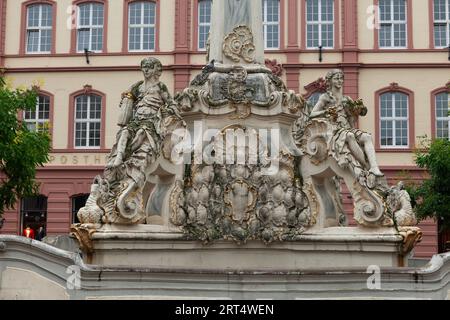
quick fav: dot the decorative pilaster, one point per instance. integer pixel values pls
(182, 41)
(2, 32)
(292, 70)
(350, 63)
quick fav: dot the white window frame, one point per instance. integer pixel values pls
(442, 118)
(320, 23)
(393, 119)
(202, 24)
(38, 122)
(392, 22)
(39, 28)
(142, 26)
(271, 23)
(90, 26)
(446, 22)
(88, 121)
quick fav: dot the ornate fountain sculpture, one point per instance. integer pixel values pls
(148, 115)
(254, 164)
(333, 147)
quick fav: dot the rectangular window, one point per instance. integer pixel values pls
(204, 22)
(39, 28)
(90, 27)
(271, 24)
(38, 119)
(141, 26)
(88, 114)
(319, 24)
(393, 22)
(441, 23)
(442, 116)
(394, 120)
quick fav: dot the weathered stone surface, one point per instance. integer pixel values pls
(252, 164)
(232, 19)
(333, 147)
(37, 260)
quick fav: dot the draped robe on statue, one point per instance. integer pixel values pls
(237, 13)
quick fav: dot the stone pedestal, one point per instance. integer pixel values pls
(331, 248)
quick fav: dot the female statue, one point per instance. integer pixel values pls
(342, 112)
(143, 108)
(147, 110)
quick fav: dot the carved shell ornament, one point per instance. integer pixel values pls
(238, 45)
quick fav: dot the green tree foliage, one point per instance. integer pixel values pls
(431, 199)
(21, 150)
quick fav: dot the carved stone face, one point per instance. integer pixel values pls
(148, 70)
(151, 67)
(337, 80)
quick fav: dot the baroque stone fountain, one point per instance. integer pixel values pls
(235, 172)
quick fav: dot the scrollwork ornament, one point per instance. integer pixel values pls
(238, 45)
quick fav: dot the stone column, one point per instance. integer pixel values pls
(231, 13)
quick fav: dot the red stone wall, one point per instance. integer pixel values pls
(59, 185)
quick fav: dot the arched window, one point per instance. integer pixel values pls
(39, 118)
(88, 121)
(271, 24)
(39, 28)
(204, 22)
(90, 25)
(33, 217)
(141, 26)
(442, 108)
(320, 24)
(441, 14)
(78, 202)
(394, 119)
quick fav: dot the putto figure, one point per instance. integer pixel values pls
(342, 111)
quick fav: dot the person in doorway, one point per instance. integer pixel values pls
(28, 232)
(40, 233)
